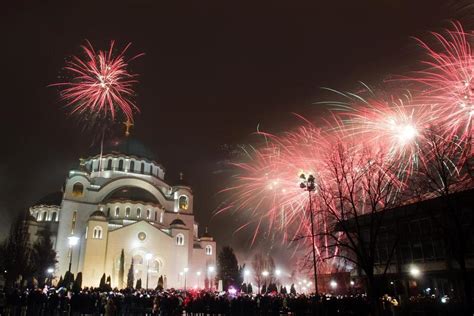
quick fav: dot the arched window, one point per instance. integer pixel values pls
(120, 165)
(132, 166)
(161, 217)
(156, 266)
(142, 170)
(97, 233)
(156, 216)
(127, 212)
(97, 165)
(53, 216)
(137, 259)
(117, 211)
(108, 212)
(180, 239)
(148, 214)
(109, 164)
(45, 216)
(183, 202)
(77, 189)
(151, 169)
(139, 212)
(208, 250)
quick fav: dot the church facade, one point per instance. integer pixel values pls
(118, 200)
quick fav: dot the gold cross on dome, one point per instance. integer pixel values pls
(127, 124)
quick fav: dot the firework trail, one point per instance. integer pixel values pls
(99, 85)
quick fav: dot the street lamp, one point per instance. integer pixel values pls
(198, 277)
(50, 272)
(246, 274)
(72, 240)
(210, 270)
(148, 256)
(185, 271)
(307, 184)
(415, 272)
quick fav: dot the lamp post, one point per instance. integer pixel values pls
(198, 277)
(72, 240)
(185, 272)
(308, 184)
(148, 257)
(246, 274)
(50, 273)
(210, 270)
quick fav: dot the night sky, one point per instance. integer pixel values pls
(212, 73)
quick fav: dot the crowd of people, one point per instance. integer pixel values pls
(169, 303)
(92, 301)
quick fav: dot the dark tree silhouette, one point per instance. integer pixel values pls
(43, 256)
(121, 269)
(228, 268)
(130, 276)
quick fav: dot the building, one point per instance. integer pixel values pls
(412, 251)
(117, 199)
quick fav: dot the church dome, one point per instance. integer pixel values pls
(54, 198)
(128, 146)
(177, 222)
(97, 213)
(131, 194)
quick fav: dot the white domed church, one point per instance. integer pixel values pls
(118, 199)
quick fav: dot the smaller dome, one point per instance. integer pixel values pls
(177, 222)
(98, 213)
(54, 198)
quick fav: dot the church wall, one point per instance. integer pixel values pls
(171, 258)
(93, 258)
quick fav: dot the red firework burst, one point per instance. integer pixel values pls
(100, 85)
(447, 81)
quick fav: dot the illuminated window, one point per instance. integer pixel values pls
(183, 202)
(73, 223)
(148, 214)
(139, 212)
(127, 212)
(180, 239)
(97, 233)
(161, 217)
(117, 211)
(208, 250)
(77, 189)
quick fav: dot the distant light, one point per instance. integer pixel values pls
(277, 272)
(50, 270)
(186, 270)
(444, 300)
(391, 282)
(198, 273)
(246, 272)
(415, 272)
(232, 291)
(265, 273)
(211, 269)
(352, 283)
(148, 256)
(333, 284)
(181, 273)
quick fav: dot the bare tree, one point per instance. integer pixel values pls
(261, 263)
(357, 189)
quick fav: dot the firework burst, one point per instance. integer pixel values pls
(447, 81)
(100, 85)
